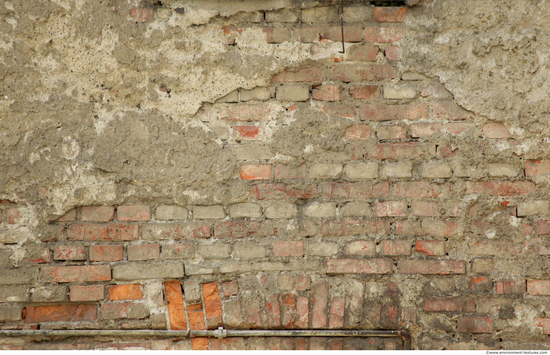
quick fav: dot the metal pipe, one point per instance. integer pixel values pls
(219, 333)
(95, 332)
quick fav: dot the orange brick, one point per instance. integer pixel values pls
(256, 172)
(176, 311)
(196, 322)
(125, 292)
(65, 313)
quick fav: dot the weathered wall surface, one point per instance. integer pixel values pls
(174, 164)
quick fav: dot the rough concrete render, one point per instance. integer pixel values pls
(186, 164)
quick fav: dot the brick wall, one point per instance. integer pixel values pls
(363, 219)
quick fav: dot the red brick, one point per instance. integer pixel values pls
(450, 111)
(303, 283)
(212, 305)
(140, 14)
(124, 310)
(86, 273)
(359, 266)
(538, 287)
(230, 288)
(98, 213)
(393, 53)
(340, 111)
(543, 227)
(390, 14)
(64, 313)
(363, 72)
(430, 247)
(280, 192)
(176, 311)
(500, 188)
(245, 113)
(495, 130)
(196, 322)
(450, 304)
(105, 252)
(302, 307)
(309, 74)
(537, 167)
(87, 293)
(456, 128)
(288, 248)
(288, 310)
(363, 190)
(341, 228)
(320, 302)
(248, 132)
(133, 213)
(16, 216)
(365, 92)
(431, 267)
(363, 53)
(273, 311)
(395, 247)
(394, 151)
(67, 217)
(420, 189)
(333, 33)
(143, 252)
(359, 131)
(394, 112)
(125, 292)
(475, 324)
(391, 132)
(256, 172)
(391, 209)
(510, 287)
(236, 229)
(103, 232)
(328, 92)
(290, 172)
(336, 313)
(544, 323)
(384, 34)
(69, 252)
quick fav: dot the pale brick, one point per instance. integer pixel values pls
(20, 276)
(361, 171)
(322, 249)
(281, 210)
(293, 93)
(215, 251)
(246, 16)
(248, 251)
(320, 210)
(256, 94)
(14, 236)
(533, 208)
(320, 14)
(192, 291)
(402, 92)
(408, 76)
(324, 171)
(245, 210)
(361, 247)
(467, 171)
(402, 169)
(208, 212)
(356, 209)
(170, 213)
(138, 271)
(360, 14)
(284, 15)
(49, 294)
(14, 293)
(435, 170)
(231, 97)
(10, 313)
(252, 152)
(436, 90)
(504, 170)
